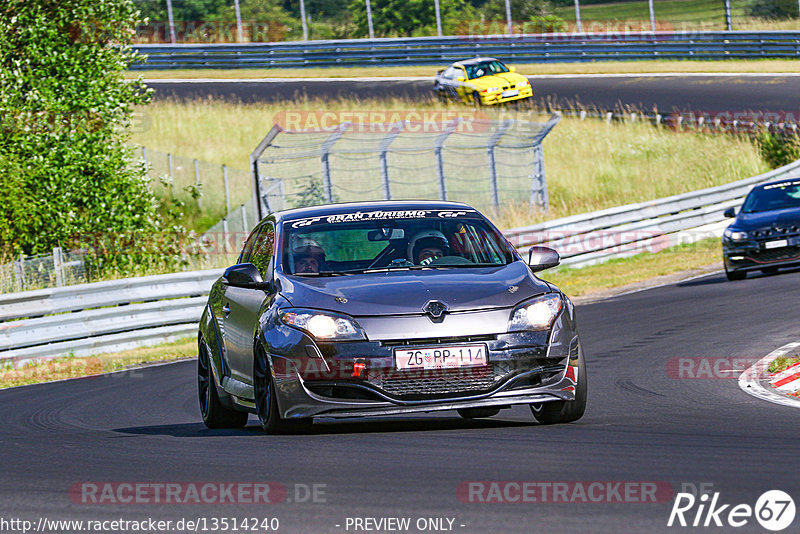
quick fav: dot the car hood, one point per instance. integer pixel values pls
(765, 219)
(499, 80)
(406, 292)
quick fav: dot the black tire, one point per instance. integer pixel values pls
(478, 413)
(215, 415)
(267, 403)
(735, 275)
(549, 413)
(476, 99)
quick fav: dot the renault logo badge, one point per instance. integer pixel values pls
(435, 310)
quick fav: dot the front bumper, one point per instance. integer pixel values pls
(497, 98)
(358, 379)
(752, 256)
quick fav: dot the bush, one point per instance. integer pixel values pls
(773, 9)
(65, 107)
(779, 149)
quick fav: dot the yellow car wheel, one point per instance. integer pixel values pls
(476, 99)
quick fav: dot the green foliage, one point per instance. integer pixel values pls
(520, 11)
(773, 9)
(67, 174)
(778, 149)
(407, 18)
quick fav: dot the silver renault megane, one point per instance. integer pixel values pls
(383, 308)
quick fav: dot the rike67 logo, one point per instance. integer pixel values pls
(774, 510)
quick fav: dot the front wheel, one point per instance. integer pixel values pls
(735, 275)
(549, 413)
(267, 403)
(476, 99)
(215, 415)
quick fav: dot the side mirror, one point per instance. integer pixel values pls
(730, 212)
(512, 69)
(541, 258)
(246, 276)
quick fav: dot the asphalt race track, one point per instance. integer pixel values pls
(667, 94)
(642, 425)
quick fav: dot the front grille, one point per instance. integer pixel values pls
(433, 382)
(776, 254)
(437, 341)
(780, 231)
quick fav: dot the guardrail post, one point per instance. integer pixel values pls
(383, 148)
(58, 266)
(325, 149)
(504, 126)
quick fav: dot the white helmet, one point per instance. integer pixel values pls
(427, 238)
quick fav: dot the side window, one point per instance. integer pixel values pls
(263, 249)
(244, 257)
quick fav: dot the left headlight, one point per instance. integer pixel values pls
(536, 314)
(324, 326)
(492, 89)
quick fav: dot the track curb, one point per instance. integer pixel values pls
(754, 381)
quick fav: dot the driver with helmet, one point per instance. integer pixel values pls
(308, 256)
(426, 246)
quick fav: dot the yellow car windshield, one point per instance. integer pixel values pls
(487, 68)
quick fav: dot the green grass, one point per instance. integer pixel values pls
(781, 363)
(590, 164)
(638, 268)
(73, 367)
(670, 15)
(529, 69)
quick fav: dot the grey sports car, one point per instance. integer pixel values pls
(381, 308)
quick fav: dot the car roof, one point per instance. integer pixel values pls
(474, 61)
(334, 209)
(787, 181)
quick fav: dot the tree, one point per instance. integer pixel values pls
(66, 171)
(408, 18)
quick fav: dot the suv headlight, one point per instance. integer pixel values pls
(324, 326)
(734, 235)
(536, 314)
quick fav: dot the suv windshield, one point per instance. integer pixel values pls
(773, 197)
(485, 68)
(365, 241)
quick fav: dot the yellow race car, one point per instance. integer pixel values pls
(482, 81)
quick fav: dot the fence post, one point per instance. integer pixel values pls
(197, 183)
(58, 266)
(144, 155)
(225, 246)
(539, 195)
(501, 129)
(169, 168)
(325, 149)
(245, 229)
(19, 267)
(227, 191)
(438, 144)
(383, 147)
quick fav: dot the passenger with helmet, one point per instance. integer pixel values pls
(308, 256)
(426, 246)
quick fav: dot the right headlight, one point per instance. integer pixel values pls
(324, 326)
(734, 235)
(536, 314)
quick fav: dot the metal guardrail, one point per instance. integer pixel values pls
(121, 314)
(626, 230)
(102, 317)
(534, 48)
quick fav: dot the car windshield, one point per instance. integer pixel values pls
(377, 241)
(485, 68)
(773, 197)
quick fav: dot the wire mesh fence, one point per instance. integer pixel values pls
(489, 164)
(60, 268)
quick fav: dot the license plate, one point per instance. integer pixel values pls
(777, 244)
(513, 92)
(442, 357)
